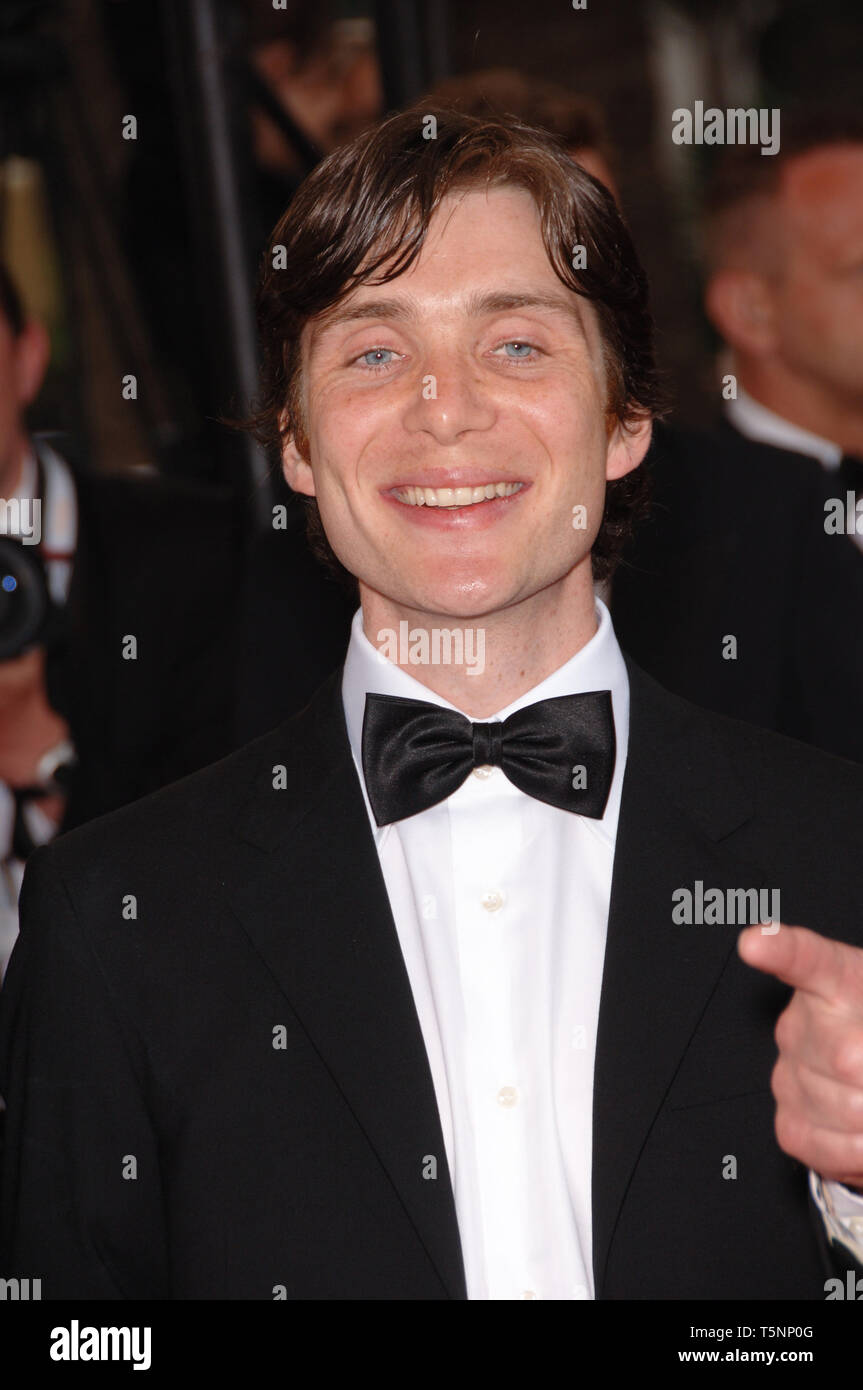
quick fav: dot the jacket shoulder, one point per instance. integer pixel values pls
(193, 819)
(788, 781)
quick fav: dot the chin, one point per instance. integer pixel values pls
(464, 599)
(464, 591)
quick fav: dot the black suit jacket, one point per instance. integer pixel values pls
(247, 1043)
(160, 560)
(736, 547)
(296, 623)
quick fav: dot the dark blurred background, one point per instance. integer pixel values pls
(146, 149)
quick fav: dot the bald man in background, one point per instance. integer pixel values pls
(741, 594)
(784, 251)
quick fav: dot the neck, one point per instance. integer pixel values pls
(805, 403)
(505, 653)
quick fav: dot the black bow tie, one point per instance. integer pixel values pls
(416, 754)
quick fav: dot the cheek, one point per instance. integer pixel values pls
(348, 426)
(568, 424)
(813, 303)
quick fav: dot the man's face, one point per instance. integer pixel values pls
(475, 369)
(818, 291)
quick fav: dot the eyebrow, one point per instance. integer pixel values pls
(478, 305)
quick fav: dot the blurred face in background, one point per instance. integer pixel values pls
(787, 293)
(816, 297)
(23, 359)
(333, 93)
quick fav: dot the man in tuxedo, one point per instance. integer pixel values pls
(742, 593)
(435, 991)
(783, 248)
(116, 679)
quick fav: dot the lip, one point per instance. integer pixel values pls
(459, 477)
(473, 518)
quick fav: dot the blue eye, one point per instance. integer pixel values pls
(378, 353)
(524, 351)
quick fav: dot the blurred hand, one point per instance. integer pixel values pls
(28, 724)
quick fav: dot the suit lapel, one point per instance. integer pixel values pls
(311, 896)
(313, 900)
(681, 799)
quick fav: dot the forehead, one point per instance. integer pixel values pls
(823, 190)
(483, 253)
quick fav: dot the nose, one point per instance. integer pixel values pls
(448, 401)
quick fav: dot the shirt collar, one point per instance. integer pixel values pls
(754, 420)
(598, 665)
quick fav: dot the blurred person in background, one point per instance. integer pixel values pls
(116, 637)
(576, 120)
(738, 594)
(784, 290)
(323, 75)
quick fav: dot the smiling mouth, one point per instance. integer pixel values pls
(451, 498)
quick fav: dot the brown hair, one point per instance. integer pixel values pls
(576, 120)
(369, 205)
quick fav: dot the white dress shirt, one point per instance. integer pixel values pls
(754, 420)
(501, 905)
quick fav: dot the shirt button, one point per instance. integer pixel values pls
(507, 1096)
(492, 901)
(856, 1225)
(485, 771)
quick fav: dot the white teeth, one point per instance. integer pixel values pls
(451, 498)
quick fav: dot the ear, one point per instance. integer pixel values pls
(32, 354)
(296, 469)
(739, 305)
(627, 447)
